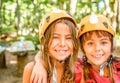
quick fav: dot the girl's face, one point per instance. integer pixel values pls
(97, 49)
(61, 44)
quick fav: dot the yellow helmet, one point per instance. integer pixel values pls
(95, 22)
(50, 17)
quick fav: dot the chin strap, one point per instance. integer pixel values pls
(105, 64)
(54, 77)
(102, 68)
(64, 60)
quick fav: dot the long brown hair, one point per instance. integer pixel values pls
(68, 74)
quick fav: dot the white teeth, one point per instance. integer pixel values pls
(97, 56)
(61, 52)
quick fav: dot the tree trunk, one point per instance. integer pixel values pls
(114, 18)
(118, 16)
(18, 15)
(107, 8)
(2, 60)
(72, 6)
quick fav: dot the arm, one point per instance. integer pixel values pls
(82, 79)
(41, 76)
(39, 60)
(27, 72)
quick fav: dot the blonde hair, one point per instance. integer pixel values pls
(68, 74)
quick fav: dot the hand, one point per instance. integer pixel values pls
(39, 74)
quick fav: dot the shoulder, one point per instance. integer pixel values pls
(116, 62)
(116, 59)
(27, 72)
(116, 65)
(29, 65)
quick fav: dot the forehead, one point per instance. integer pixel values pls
(62, 28)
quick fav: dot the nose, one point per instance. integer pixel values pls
(97, 47)
(62, 42)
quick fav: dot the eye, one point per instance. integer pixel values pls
(55, 37)
(90, 43)
(69, 37)
(104, 42)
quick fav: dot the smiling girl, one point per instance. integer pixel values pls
(59, 48)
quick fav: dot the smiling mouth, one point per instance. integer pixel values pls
(61, 52)
(98, 56)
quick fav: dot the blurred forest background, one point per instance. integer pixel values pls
(20, 19)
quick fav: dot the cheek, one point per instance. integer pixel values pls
(53, 43)
(107, 48)
(70, 44)
(86, 49)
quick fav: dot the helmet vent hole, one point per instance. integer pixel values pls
(105, 24)
(47, 18)
(82, 27)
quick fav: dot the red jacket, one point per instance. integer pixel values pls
(97, 77)
(78, 72)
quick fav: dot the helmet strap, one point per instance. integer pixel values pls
(64, 60)
(105, 64)
(102, 68)
(54, 76)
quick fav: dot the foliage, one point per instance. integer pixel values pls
(26, 14)
(7, 29)
(35, 39)
(117, 36)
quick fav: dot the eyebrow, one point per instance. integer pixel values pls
(104, 37)
(59, 34)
